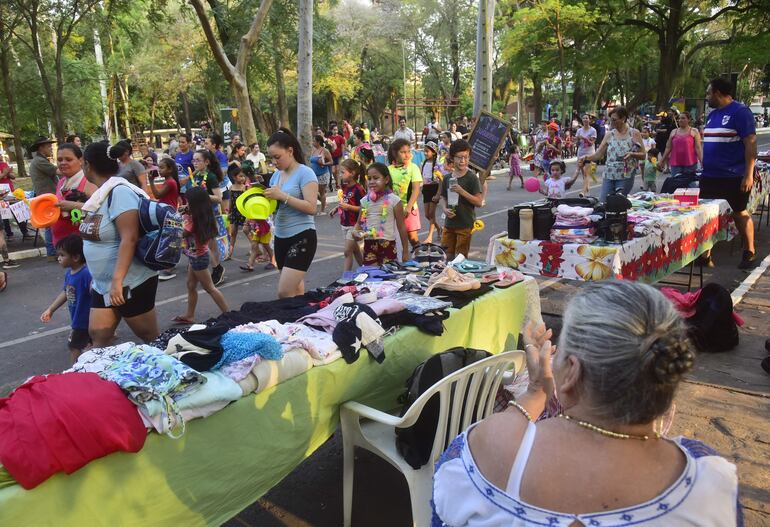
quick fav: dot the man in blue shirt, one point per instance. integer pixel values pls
(183, 158)
(729, 155)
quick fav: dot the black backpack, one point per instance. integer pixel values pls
(712, 328)
(415, 442)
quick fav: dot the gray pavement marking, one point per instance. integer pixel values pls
(744, 287)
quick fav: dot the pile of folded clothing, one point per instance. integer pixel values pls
(111, 397)
(645, 222)
(573, 225)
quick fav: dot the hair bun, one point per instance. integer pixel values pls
(671, 358)
(110, 154)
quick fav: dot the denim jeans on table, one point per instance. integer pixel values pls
(682, 170)
(50, 250)
(612, 186)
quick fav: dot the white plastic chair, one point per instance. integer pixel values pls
(466, 396)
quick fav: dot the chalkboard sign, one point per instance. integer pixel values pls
(487, 138)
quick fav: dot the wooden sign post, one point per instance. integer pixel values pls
(487, 137)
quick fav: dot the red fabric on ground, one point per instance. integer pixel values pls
(60, 422)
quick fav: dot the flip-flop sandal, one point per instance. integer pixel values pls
(5, 281)
(490, 278)
(509, 278)
(269, 266)
(246, 269)
(179, 319)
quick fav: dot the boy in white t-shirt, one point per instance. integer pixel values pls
(555, 187)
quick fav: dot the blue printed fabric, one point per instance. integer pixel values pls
(147, 377)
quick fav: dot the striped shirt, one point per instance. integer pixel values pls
(723, 149)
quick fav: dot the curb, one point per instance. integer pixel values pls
(27, 253)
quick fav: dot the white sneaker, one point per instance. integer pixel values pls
(166, 275)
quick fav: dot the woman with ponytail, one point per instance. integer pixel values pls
(122, 288)
(295, 186)
(129, 168)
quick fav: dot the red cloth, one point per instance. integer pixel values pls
(63, 421)
(685, 303)
(64, 226)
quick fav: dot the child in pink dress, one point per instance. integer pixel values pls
(515, 169)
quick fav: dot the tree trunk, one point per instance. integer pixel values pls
(280, 86)
(58, 114)
(454, 60)
(153, 105)
(123, 88)
(243, 102)
(482, 89)
(305, 76)
(186, 110)
(520, 105)
(261, 120)
(537, 96)
(102, 85)
(669, 44)
(577, 96)
(5, 73)
(49, 90)
(112, 101)
(599, 90)
(235, 73)
(562, 72)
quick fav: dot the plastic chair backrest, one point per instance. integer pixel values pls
(467, 396)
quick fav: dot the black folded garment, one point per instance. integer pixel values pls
(431, 323)
(283, 310)
(461, 299)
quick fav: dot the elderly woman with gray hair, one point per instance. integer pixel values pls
(622, 353)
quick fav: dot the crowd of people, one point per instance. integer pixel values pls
(610, 398)
(377, 209)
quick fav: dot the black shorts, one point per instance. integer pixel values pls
(728, 188)
(336, 160)
(296, 252)
(79, 339)
(142, 299)
(429, 191)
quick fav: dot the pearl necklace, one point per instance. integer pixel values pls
(605, 432)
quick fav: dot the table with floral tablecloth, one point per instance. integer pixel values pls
(760, 190)
(679, 238)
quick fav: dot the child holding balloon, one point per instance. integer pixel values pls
(555, 187)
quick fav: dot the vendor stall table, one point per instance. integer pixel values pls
(683, 237)
(225, 462)
(759, 195)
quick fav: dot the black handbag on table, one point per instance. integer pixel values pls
(542, 220)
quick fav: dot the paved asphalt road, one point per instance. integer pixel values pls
(28, 347)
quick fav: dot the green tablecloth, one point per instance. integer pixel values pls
(227, 461)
